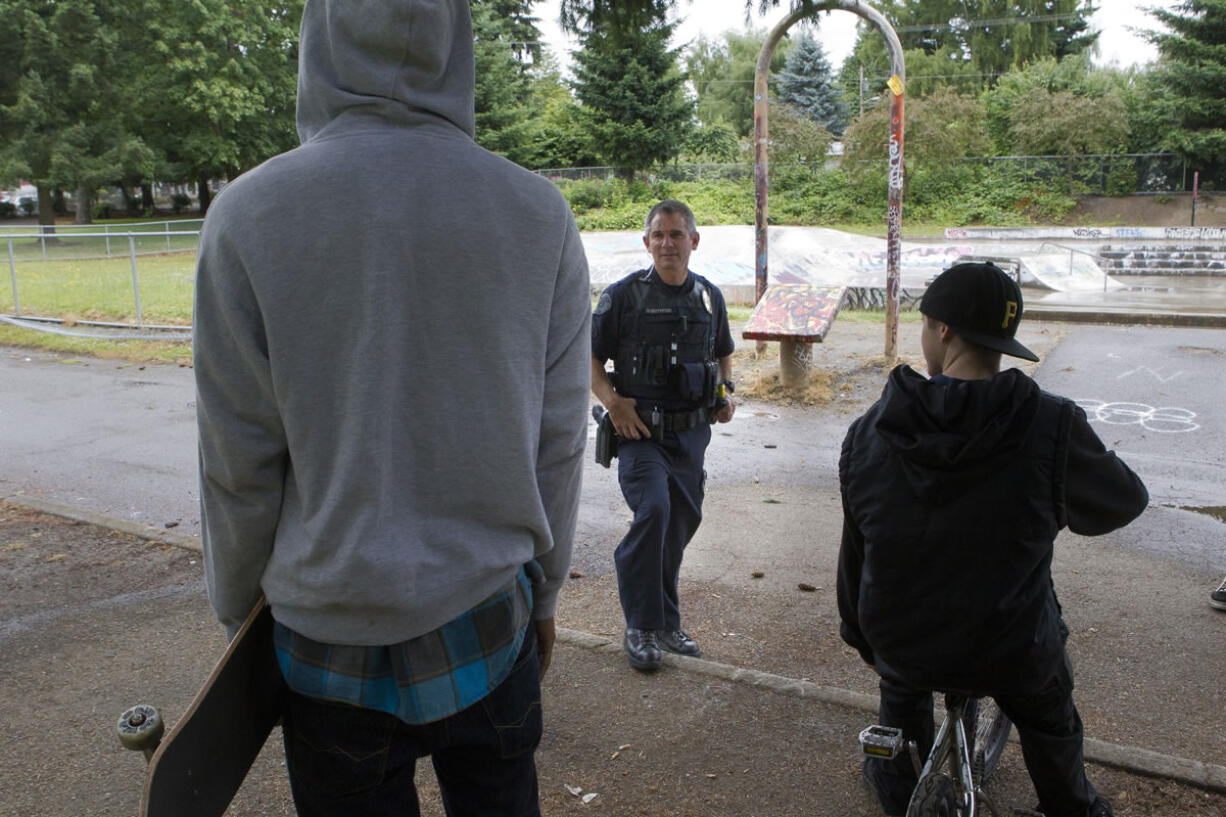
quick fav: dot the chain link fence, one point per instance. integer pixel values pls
(1118, 174)
(1100, 174)
(136, 275)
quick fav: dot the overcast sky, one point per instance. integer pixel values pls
(1117, 45)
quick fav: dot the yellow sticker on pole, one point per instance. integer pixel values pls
(895, 85)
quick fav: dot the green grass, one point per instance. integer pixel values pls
(132, 351)
(101, 289)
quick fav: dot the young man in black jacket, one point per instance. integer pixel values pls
(954, 488)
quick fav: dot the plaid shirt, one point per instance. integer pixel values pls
(426, 678)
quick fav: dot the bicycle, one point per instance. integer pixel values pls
(968, 743)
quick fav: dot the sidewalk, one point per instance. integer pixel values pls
(94, 620)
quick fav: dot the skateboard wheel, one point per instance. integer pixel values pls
(141, 728)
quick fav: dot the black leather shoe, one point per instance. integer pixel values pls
(678, 642)
(642, 649)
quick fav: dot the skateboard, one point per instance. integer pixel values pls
(199, 767)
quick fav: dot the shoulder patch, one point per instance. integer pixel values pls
(604, 304)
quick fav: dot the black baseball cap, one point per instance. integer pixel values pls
(981, 304)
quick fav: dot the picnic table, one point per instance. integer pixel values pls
(797, 316)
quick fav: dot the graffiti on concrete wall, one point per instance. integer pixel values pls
(1196, 233)
(1090, 233)
(874, 298)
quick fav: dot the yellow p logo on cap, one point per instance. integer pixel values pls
(1010, 313)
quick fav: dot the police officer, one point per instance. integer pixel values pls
(666, 330)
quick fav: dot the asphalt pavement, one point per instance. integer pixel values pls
(109, 610)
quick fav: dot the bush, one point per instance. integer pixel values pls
(8, 209)
(957, 195)
(592, 194)
(1121, 178)
(28, 206)
(180, 202)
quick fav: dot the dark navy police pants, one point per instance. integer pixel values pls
(346, 760)
(663, 485)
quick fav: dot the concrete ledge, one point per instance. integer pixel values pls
(1127, 758)
(1089, 233)
(1104, 316)
(149, 532)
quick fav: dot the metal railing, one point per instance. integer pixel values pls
(105, 237)
(175, 241)
(1098, 260)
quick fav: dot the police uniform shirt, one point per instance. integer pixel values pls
(610, 322)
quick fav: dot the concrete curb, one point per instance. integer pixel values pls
(1101, 316)
(1126, 758)
(149, 532)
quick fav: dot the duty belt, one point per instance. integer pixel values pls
(676, 420)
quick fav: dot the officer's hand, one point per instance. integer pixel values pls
(725, 414)
(626, 420)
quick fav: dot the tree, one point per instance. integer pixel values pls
(713, 143)
(60, 108)
(807, 84)
(722, 74)
(1065, 124)
(941, 129)
(991, 37)
(618, 19)
(503, 84)
(1074, 75)
(1193, 71)
(795, 137)
(631, 96)
(218, 91)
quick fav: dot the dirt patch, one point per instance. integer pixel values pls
(845, 372)
(1148, 211)
(80, 646)
(46, 558)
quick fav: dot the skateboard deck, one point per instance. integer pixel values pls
(202, 762)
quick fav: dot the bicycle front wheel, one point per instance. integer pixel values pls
(987, 729)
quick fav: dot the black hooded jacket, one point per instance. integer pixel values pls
(953, 493)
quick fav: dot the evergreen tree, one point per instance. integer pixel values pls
(1193, 70)
(807, 84)
(503, 85)
(631, 95)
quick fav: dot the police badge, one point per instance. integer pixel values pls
(706, 299)
(606, 303)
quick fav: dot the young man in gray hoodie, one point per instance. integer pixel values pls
(392, 399)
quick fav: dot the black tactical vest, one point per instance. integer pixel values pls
(667, 351)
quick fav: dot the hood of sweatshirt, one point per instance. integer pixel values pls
(950, 436)
(388, 61)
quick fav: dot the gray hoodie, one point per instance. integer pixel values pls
(391, 348)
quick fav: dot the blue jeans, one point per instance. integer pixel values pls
(346, 761)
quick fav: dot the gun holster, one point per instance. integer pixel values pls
(606, 436)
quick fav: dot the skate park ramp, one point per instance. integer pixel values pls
(796, 255)
(1065, 271)
(1055, 276)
